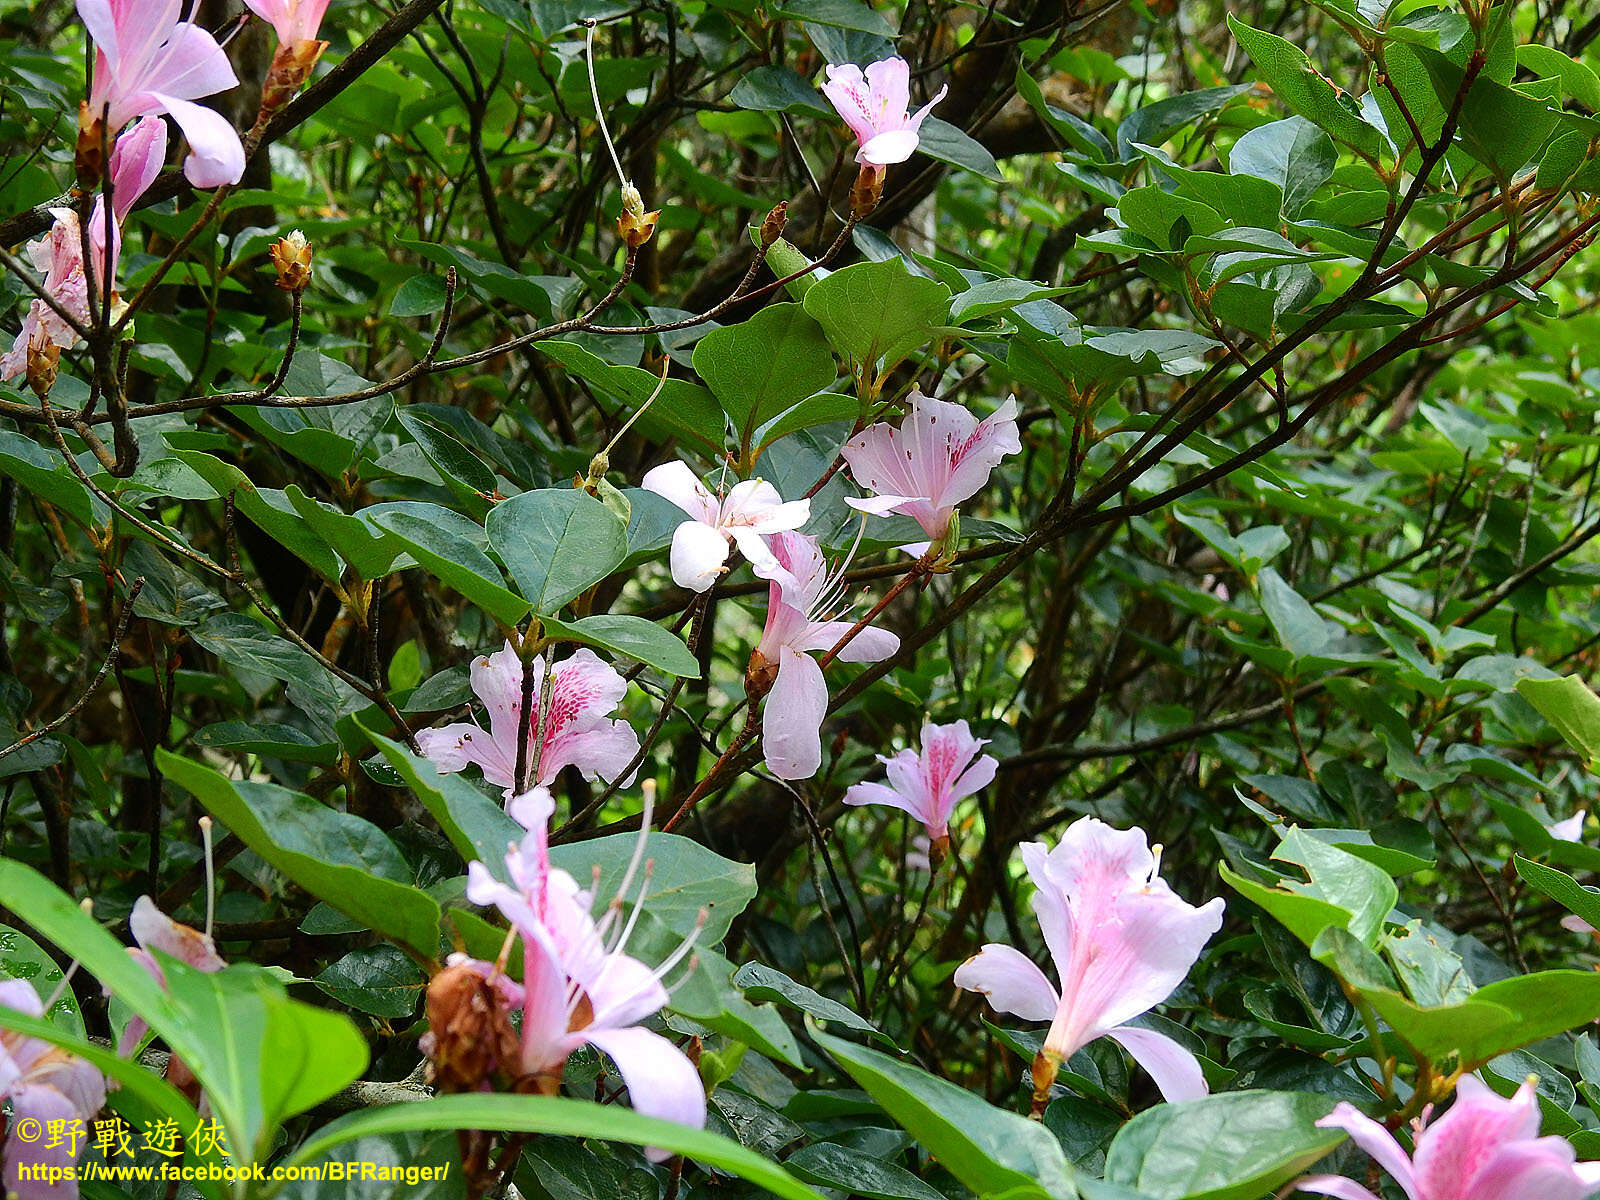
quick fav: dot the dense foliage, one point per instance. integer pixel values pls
(812, 598)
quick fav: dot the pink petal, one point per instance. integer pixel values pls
(890, 147)
(216, 156)
(1379, 1144)
(757, 553)
(136, 160)
(277, 13)
(800, 556)
(99, 20)
(975, 456)
(154, 930)
(1176, 1071)
(20, 996)
(868, 645)
(1458, 1145)
(191, 66)
(41, 1104)
(846, 90)
(661, 1081)
(623, 992)
(674, 481)
(1542, 1167)
(1011, 980)
(889, 82)
(792, 717)
(698, 554)
(1334, 1185)
(915, 119)
(602, 752)
(878, 506)
(1570, 830)
(876, 793)
(452, 747)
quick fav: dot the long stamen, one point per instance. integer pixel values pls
(648, 788)
(684, 947)
(211, 874)
(599, 113)
(633, 914)
(72, 967)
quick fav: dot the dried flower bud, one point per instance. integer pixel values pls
(44, 356)
(470, 1039)
(632, 201)
(292, 257)
(291, 66)
(759, 676)
(90, 160)
(868, 190)
(772, 228)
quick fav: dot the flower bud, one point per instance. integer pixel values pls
(635, 226)
(292, 257)
(292, 64)
(470, 1038)
(44, 356)
(772, 228)
(867, 191)
(759, 676)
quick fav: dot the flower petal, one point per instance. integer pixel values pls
(216, 156)
(891, 146)
(154, 930)
(674, 481)
(661, 1081)
(1176, 1071)
(792, 716)
(698, 555)
(1378, 1142)
(1336, 1186)
(136, 159)
(1011, 980)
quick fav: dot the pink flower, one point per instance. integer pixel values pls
(292, 20)
(939, 456)
(797, 626)
(1484, 1148)
(135, 162)
(576, 988)
(1122, 940)
(929, 783)
(153, 930)
(577, 731)
(151, 60)
(1570, 830)
(875, 106)
(751, 509)
(44, 1084)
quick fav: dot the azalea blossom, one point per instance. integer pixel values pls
(578, 731)
(798, 626)
(579, 986)
(874, 104)
(151, 59)
(44, 1084)
(930, 782)
(751, 509)
(1122, 940)
(940, 456)
(1569, 830)
(1483, 1148)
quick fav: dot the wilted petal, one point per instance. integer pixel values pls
(154, 930)
(661, 1081)
(1176, 1071)
(1011, 980)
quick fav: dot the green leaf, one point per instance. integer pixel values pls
(988, 1149)
(765, 983)
(562, 1117)
(683, 409)
(379, 980)
(1343, 891)
(370, 552)
(1231, 1146)
(23, 958)
(878, 311)
(556, 543)
(450, 547)
(1305, 90)
(762, 366)
(632, 636)
(1578, 79)
(1571, 706)
(829, 1164)
(943, 141)
(778, 89)
(1292, 153)
(1300, 630)
(686, 879)
(337, 857)
(464, 472)
(842, 14)
(418, 296)
(1562, 888)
